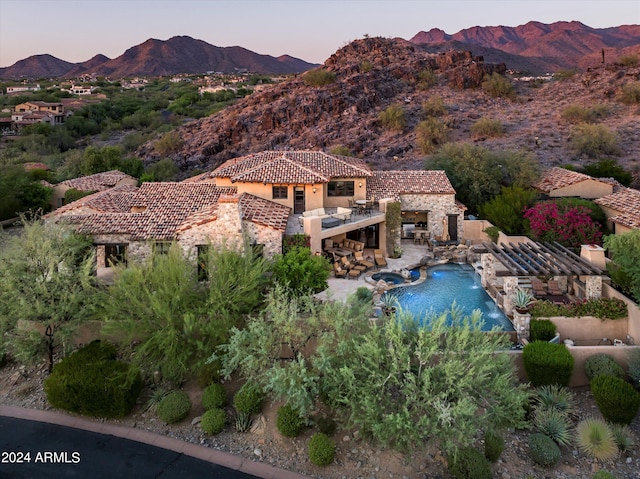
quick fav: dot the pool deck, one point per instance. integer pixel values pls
(339, 288)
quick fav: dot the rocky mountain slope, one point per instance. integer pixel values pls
(179, 54)
(546, 47)
(374, 73)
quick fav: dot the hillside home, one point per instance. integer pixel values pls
(92, 183)
(622, 210)
(37, 112)
(558, 183)
(258, 199)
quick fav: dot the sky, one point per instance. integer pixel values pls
(77, 30)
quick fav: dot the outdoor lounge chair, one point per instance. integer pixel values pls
(361, 261)
(379, 258)
(538, 288)
(338, 271)
(553, 288)
(346, 264)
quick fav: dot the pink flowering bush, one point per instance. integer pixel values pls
(570, 226)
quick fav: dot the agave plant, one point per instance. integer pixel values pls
(623, 436)
(522, 299)
(243, 421)
(554, 424)
(555, 397)
(596, 439)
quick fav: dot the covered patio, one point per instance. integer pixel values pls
(548, 270)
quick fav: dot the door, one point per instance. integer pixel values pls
(298, 200)
(453, 227)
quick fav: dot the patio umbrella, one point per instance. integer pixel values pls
(445, 228)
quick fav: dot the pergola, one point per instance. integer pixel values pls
(540, 259)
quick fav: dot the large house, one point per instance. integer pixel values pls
(622, 210)
(261, 197)
(90, 184)
(559, 182)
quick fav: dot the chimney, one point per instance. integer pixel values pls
(594, 254)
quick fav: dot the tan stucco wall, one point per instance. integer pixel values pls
(589, 329)
(474, 230)
(634, 311)
(590, 189)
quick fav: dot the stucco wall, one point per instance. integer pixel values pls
(474, 230)
(589, 189)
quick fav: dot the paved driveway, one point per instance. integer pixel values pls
(64, 446)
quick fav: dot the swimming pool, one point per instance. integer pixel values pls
(395, 278)
(446, 283)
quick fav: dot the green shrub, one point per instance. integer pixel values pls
(493, 232)
(289, 421)
(554, 424)
(430, 133)
(469, 463)
(321, 449)
(579, 114)
(326, 425)
(364, 294)
(243, 421)
(602, 364)
(174, 407)
(249, 399)
(603, 308)
(319, 77)
(630, 60)
(393, 118)
(543, 450)
(487, 127)
(213, 421)
(596, 439)
(90, 381)
(616, 399)
(493, 445)
(214, 397)
(497, 85)
(434, 106)
(622, 436)
(542, 330)
(209, 373)
(634, 366)
(594, 141)
(552, 396)
(630, 93)
(601, 474)
(547, 363)
(426, 79)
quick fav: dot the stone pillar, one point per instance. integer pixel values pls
(229, 218)
(594, 254)
(593, 287)
(509, 286)
(562, 283)
(487, 274)
(522, 323)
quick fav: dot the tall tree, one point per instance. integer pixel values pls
(46, 276)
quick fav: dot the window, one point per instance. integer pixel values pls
(161, 247)
(115, 254)
(340, 188)
(202, 260)
(280, 192)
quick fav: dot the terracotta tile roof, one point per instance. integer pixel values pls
(116, 199)
(292, 167)
(627, 203)
(264, 212)
(556, 177)
(392, 184)
(97, 182)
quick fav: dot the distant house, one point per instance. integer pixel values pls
(92, 183)
(37, 112)
(559, 182)
(22, 88)
(622, 210)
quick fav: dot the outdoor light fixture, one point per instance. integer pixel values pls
(360, 184)
(314, 190)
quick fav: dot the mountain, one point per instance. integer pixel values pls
(372, 74)
(550, 47)
(179, 54)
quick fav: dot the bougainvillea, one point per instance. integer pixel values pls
(570, 226)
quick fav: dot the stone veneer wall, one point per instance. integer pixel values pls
(439, 206)
(137, 251)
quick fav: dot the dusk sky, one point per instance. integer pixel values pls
(77, 30)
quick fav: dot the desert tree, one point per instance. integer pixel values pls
(506, 211)
(46, 277)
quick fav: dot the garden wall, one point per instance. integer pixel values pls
(580, 355)
(633, 328)
(589, 330)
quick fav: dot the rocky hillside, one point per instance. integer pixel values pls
(374, 73)
(542, 47)
(180, 54)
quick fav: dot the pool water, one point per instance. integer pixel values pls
(445, 284)
(395, 278)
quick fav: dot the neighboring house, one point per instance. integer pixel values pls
(38, 112)
(261, 197)
(22, 88)
(559, 182)
(98, 182)
(622, 210)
